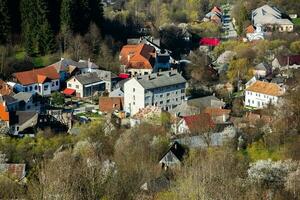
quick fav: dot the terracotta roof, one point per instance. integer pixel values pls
(214, 112)
(5, 89)
(37, 75)
(202, 121)
(266, 88)
(250, 29)
(139, 56)
(69, 91)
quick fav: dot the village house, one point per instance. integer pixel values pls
(215, 15)
(270, 19)
(197, 105)
(14, 120)
(85, 85)
(254, 33)
(163, 89)
(143, 59)
(14, 171)
(110, 104)
(218, 115)
(173, 156)
(68, 67)
(41, 81)
(259, 94)
(261, 70)
(193, 124)
(5, 89)
(286, 62)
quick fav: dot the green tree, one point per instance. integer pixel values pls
(57, 98)
(295, 47)
(5, 28)
(239, 69)
(28, 25)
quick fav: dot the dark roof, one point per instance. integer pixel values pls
(204, 102)
(8, 99)
(21, 117)
(88, 78)
(292, 60)
(177, 150)
(160, 79)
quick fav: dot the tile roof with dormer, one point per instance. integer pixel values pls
(37, 75)
(140, 56)
(266, 88)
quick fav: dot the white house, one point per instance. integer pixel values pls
(163, 89)
(271, 18)
(85, 85)
(286, 62)
(42, 81)
(259, 94)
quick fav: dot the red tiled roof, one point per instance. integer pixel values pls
(210, 41)
(139, 56)
(37, 75)
(69, 91)
(266, 88)
(202, 121)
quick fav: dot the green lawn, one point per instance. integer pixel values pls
(39, 61)
(296, 21)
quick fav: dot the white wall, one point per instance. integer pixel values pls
(134, 96)
(74, 84)
(54, 85)
(258, 100)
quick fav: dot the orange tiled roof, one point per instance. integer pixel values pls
(140, 56)
(37, 75)
(5, 89)
(265, 88)
(215, 112)
(250, 29)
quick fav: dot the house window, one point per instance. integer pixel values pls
(133, 97)
(146, 73)
(183, 90)
(249, 101)
(168, 101)
(161, 102)
(56, 83)
(30, 88)
(133, 89)
(133, 103)
(252, 101)
(69, 85)
(168, 94)
(53, 84)
(26, 89)
(77, 86)
(176, 99)
(35, 87)
(161, 96)
(45, 87)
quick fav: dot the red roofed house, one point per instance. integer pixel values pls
(138, 59)
(209, 42)
(218, 115)
(194, 124)
(110, 104)
(42, 81)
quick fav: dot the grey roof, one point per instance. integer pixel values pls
(185, 110)
(216, 139)
(269, 15)
(160, 79)
(65, 62)
(88, 78)
(204, 102)
(24, 116)
(23, 96)
(105, 75)
(8, 99)
(225, 57)
(116, 93)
